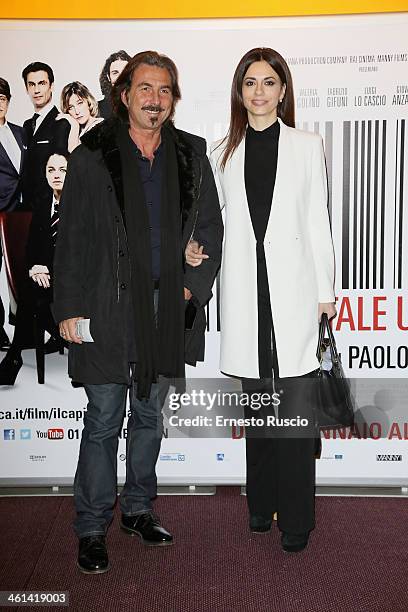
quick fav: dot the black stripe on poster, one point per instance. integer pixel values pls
(328, 146)
(218, 286)
(345, 230)
(401, 202)
(375, 205)
(368, 204)
(362, 186)
(394, 244)
(355, 205)
(382, 220)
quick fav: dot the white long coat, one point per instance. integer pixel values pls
(298, 251)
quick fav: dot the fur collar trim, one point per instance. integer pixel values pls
(103, 137)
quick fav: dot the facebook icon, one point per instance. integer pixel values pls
(9, 434)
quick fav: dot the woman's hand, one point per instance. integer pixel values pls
(42, 279)
(73, 138)
(40, 274)
(194, 254)
(72, 122)
(329, 308)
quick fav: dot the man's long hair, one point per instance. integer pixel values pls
(104, 80)
(239, 115)
(124, 82)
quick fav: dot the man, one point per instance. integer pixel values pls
(12, 147)
(43, 135)
(11, 161)
(111, 70)
(135, 191)
(43, 132)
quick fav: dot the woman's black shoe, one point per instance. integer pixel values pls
(259, 524)
(92, 555)
(55, 345)
(294, 542)
(10, 367)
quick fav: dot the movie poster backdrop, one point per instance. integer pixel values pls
(351, 86)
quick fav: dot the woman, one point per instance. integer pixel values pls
(80, 108)
(277, 279)
(44, 225)
(40, 254)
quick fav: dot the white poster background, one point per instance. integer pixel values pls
(345, 69)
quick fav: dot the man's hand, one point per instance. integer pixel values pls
(194, 254)
(328, 308)
(67, 329)
(187, 294)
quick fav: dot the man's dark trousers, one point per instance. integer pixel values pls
(96, 475)
(95, 479)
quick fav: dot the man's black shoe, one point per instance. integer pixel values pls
(148, 527)
(93, 556)
(10, 367)
(294, 542)
(259, 524)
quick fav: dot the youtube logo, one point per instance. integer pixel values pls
(55, 433)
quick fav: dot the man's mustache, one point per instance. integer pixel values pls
(153, 108)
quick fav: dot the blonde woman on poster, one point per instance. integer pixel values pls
(277, 279)
(80, 108)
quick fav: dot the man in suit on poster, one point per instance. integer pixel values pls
(12, 148)
(45, 134)
(136, 189)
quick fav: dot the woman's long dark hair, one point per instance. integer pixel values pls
(239, 116)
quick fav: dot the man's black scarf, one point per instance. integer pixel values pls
(159, 349)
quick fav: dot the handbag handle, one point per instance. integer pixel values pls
(323, 327)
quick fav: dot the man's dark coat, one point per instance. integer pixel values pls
(91, 266)
(10, 177)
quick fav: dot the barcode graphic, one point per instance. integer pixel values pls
(399, 204)
(368, 185)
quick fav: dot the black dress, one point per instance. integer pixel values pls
(261, 158)
(36, 300)
(280, 470)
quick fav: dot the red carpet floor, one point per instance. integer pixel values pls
(356, 561)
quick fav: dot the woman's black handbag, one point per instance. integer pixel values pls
(335, 405)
